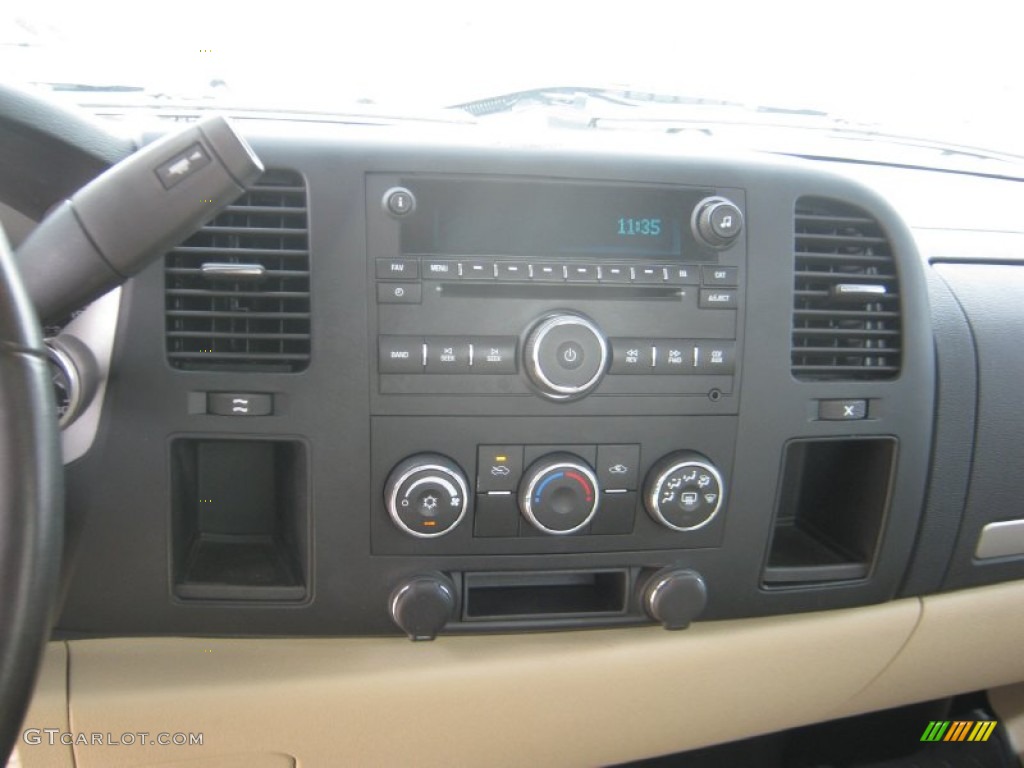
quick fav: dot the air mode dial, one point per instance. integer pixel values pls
(683, 491)
(426, 495)
(558, 494)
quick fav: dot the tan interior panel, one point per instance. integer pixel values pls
(582, 698)
(49, 710)
(568, 698)
(967, 640)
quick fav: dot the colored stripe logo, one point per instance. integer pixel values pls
(959, 730)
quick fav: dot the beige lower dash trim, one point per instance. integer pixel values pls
(968, 640)
(568, 698)
(49, 711)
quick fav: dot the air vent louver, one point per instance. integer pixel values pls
(846, 307)
(237, 291)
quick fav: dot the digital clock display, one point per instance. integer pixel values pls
(630, 227)
(542, 219)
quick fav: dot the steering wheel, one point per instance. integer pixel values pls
(31, 500)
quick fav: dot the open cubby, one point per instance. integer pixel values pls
(240, 519)
(833, 500)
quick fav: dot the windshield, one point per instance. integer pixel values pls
(945, 72)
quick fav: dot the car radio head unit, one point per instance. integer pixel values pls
(521, 218)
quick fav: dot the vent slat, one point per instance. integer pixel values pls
(814, 257)
(845, 351)
(839, 240)
(832, 221)
(268, 274)
(239, 315)
(240, 335)
(814, 275)
(843, 337)
(277, 210)
(842, 314)
(268, 356)
(241, 294)
(255, 231)
(829, 370)
(215, 323)
(212, 252)
(839, 333)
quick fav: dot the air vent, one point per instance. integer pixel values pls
(237, 291)
(846, 308)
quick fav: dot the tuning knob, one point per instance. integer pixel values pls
(422, 606)
(558, 494)
(675, 597)
(565, 356)
(717, 222)
(426, 495)
(683, 491)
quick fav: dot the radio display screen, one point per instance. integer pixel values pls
(468, 217)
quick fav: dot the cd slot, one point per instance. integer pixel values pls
(560, 291)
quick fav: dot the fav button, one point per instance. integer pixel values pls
(398, 269)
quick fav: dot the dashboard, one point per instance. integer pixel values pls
(411, 384)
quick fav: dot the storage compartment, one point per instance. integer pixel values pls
(833, 500)
(986, 549)
(240, 519)
(496, 596)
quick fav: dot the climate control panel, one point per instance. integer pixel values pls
(525, 492)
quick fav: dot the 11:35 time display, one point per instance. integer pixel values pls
(629, 227)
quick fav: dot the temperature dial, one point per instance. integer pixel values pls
(426, 495)
(683, 491)
(558, 494)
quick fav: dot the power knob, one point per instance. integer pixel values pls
(422, 606)
(675, 597)
(717, 222)
(565, 356)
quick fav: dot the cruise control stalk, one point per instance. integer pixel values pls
(131, 214)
